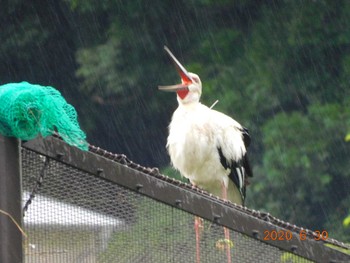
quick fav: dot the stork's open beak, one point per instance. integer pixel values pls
(185, 77)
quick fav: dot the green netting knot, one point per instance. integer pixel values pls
(27, 110)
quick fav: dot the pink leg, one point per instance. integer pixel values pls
(197, 226)
(226, 230)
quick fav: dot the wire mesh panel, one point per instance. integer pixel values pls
(96, 206)
(72, 215)
(77, 217)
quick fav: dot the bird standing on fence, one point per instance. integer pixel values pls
(206, 146)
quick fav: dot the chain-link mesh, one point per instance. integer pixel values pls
(78, 217)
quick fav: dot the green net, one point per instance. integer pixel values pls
(27, 110)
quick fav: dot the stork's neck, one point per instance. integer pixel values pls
(190, 98)
(191, 106)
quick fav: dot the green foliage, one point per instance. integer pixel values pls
(291, 258)
(347, 137)
(171, 172)
(346, 221)
(96, 63)
(132, 249)
(302, 160)
(344, 250)
(172, 231)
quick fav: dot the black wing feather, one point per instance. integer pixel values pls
(246, 137)
(239, 170)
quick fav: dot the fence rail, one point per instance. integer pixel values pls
(97, 206)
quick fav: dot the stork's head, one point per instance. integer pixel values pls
(190, 88)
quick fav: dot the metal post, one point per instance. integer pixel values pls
(10, 201)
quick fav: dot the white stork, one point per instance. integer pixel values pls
(206, 146)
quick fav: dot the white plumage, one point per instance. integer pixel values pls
(206, 146)
(195, 135)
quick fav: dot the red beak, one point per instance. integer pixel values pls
(185, 77)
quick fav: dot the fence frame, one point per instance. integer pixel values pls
(10, 201)
(173, 194)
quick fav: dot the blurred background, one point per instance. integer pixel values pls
(280, 68)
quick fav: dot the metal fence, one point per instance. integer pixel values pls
(100, 207)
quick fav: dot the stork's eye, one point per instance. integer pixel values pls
(195, 79)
